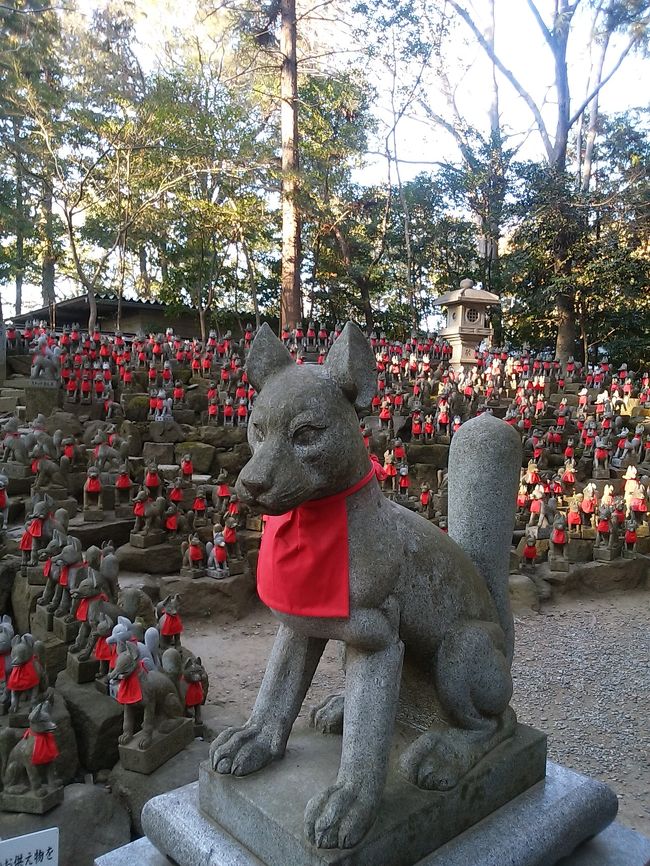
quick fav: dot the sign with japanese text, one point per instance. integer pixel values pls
(34, 849)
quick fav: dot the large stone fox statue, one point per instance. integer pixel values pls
(340, 561)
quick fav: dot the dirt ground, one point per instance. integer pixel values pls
(581, 670)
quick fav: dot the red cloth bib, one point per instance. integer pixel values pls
(194, 694)
(23, 677)
(129, 690)
(102, 650)
(93, 485)
(82, 610)
(171, 625)
(45, 748)
(304, 560)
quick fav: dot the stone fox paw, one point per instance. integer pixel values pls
(340, 816)
(328, 716)
(241, 751)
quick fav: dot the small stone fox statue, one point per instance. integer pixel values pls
(390, 580)
(29, 765)
(152, 691)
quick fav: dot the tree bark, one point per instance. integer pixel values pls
(566, 326)
(290, 296)
(20, 221)
(48, 261)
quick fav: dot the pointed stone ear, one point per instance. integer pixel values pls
(267, 357)
(351, 364)
(132, 650)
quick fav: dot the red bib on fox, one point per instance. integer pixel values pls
(304, 560)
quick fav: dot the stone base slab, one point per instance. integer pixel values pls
(93, 515)
(65, 631)
(35, 576)
(539, 828)
(43, 619)
(31, 803)
(124, 512)
(557, 564)
(156, 536)
(411, 822)
(607, 554)
(81, 671)
(193, 573)
(163, 747)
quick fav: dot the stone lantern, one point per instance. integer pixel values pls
(468, 320)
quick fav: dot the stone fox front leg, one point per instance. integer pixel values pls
(341, 815)
(263, 738)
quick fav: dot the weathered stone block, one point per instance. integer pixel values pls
(31, 804)
(91, 822)
(153, 538)
(161, 452)
(97, 723)
(134, 789)
(202, 454)
(81, 671)
(162, 559)
(65, 631)
(162, 748)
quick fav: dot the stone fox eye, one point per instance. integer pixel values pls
(307, 434)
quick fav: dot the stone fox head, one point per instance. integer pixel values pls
(304, 430)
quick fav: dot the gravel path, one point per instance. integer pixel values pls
(582, 674)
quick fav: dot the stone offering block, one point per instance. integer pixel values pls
(558, 564)
(124, 512)
(17, 470)
(589, 533)
(97, 721)
(81, 671)
(42, 619)
(607, 554)
(111, 529)
(162, 559)
(31, 803)
(142, 541)
(93, 515)
(19, 720)
(265, 811)
(163, 747)
(65, 631)
(35, 576)
(192, 573)
(254, 523)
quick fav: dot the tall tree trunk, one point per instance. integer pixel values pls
(145, 280)
(290, 297)
(203, 324)
(20, 220)
(566, 326)
(364, 291)
(47, 264)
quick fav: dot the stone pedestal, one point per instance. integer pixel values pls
(558, 564)
(42, 396)
(607, 554)
(163, 747)
(17, 471)
(65, 631)
(124, 512)
(139, 539)
(93, 515)
(538, 828)
(43, 620)
(193, 573)
(34, 575)
(411, 821)
(81, 671)
(31, 803)
(254, 523)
